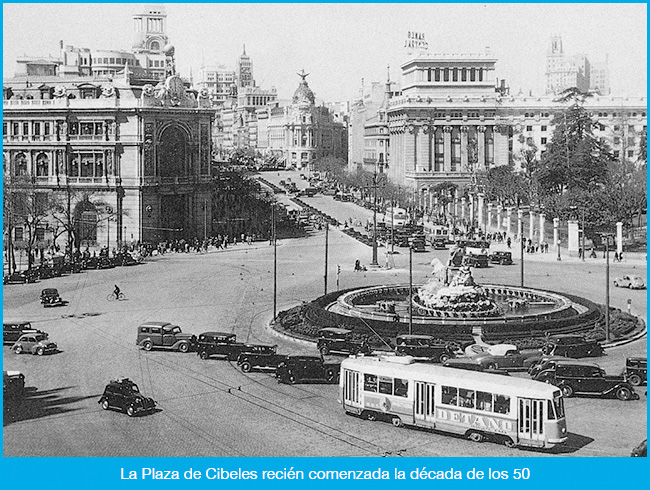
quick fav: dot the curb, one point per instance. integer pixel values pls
(629, 340)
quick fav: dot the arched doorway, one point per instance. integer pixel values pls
(172, 152)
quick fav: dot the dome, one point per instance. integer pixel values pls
(303, 94)
(169, 50)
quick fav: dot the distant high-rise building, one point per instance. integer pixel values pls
(245, 71)
(566, 71)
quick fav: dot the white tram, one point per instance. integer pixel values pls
(510, 410)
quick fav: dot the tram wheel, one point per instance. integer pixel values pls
(372, 416)
(397, 422)
(508, 442)
(476, 436)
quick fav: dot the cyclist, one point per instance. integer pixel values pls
(116, 292)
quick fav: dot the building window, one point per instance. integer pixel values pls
(617, 140)
(529, 128)
(544, 128)
(18, 233)
(631, 128)
(437, 74)
(446, 74)
(472, 74)
(455, 74)
(630, 153)
(617, 153)
(42, 164)
(4, 129)
(463, 74)
(25, 129)
(630, 141)
(617, 128)
(40, 234)
(544, 141)
(20, 164)
(46, 128)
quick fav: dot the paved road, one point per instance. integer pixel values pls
(210, 408)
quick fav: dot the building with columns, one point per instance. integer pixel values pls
(128, 154)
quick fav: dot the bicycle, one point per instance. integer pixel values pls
(120, 297)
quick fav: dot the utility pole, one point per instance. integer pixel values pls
(410, 290)
(326, 247)
(275, 262)
(521, 240)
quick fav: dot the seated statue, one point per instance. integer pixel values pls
(463, 278)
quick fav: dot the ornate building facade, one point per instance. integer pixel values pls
(124, 158)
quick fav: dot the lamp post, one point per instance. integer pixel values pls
(410, 289)
(275, 262)
(522, 242)
(606, 237)
(326, 247)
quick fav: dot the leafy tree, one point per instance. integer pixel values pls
(643, 150)
(506, 186)
(243, 156)
(332, 166)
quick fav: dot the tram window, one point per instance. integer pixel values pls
(502, 404)
(401, 387)
(449, 395)
(386, 386)
(484, 401)
(370, 382)
(559, 407)
(551, 412)
(466, 398)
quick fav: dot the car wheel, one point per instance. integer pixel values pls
(443, 358)
(492, 365)
(475, 436)
(615, 284)
(130, 411)
(324, 350)
(18, 350)
(635, 380)
(40, 351)
(397, 422)
(183, 347)
(203, 355)
(567, 390)
(623, 393)
(246, 367)
(105, 405)
(147, 345)
(629, 286)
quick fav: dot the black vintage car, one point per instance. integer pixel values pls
(50, 297)
(424, 347)
(124, 394)
(636, 370)
(472, 260)
(21, 277)
(263, 357)
(439, 244)
(340, 341)
(580, 378)
(294, 369)
(501, 258)
(571, 345)
(12, 330)
(219, 344)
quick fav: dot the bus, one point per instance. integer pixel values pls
(476, 247)
(433, 231)
(395, 217)
(481, 406)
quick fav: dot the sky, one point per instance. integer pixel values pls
(341, 44)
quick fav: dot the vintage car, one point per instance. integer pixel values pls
(418, 243)
(12, 330)
(439, 244)
(294, 369)
(536, 365)
(506, 356)
(636, 370)
(631, 282)
(473, 260)
(219, 344)
(575, 378)
(13, 385)
(340, 341)
(471, 364)
(424, 348)
(164, 335)
(21, 277)
(34, 343)
(501, 258)
(124, 394)
(572, 345)
(50, 297)
(260, 357)
(640, 451)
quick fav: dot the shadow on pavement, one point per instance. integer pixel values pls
(38, 404)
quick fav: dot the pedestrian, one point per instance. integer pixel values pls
(579, 252)
(509, 242)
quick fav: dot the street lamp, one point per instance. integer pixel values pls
(410, 289)
(522, 242)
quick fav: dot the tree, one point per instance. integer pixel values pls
(242, 156)
(332, 167)
(574, 158)
(506, 186)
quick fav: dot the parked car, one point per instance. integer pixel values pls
(636, 370)
(545, 362)
(104, 262)
(13, 385)
(506, 356)
(479, 261)
(50, 297)
(294, 369)
(124, 394)
(260, 357)
(34, 343)
(21, 277)
(572, 345)
(418, 244)
(471, 364)
(219, 344)
(631, 282)
(640, 451)
(586, 378)
(501, 258)
(12, 330)
(165, 336)
(339, 340)
(439, 244)
(424, 347)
